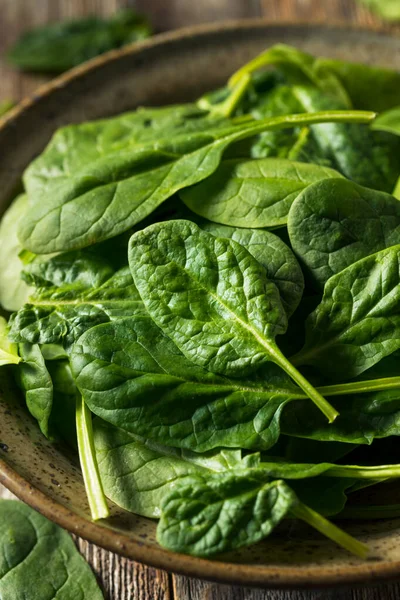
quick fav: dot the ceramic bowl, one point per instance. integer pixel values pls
(172, 68)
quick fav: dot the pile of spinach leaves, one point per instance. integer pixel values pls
(205, 301)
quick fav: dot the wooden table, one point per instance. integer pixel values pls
(123, 579)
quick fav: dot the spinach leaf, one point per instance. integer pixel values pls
(213, 299)
(388, 121)
(56, 47)
(8, 351)
(362, 419)
(368, 87)
(253, 193)
(36, 384)
(355, 326)
(206, 515)
(299, 69)
(274, 255)
(38, 560)
(131, 375)
(370, 158)
(137, 473)
(334, 223)
(13, 291)
(120, 189)
(59, 315)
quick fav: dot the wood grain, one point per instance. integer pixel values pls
(123, 579)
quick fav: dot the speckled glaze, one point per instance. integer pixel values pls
(173, 68)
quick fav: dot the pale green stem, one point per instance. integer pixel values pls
(361, 387)
(359, 472)
(327, 409)
(87, 456)
(228, 106)
(260, 61)
(331, 531)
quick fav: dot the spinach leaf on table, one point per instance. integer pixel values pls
(131, 375)
(213, 299)
(274, 255)
(334, 223)
(118, 190)
(253, 193)
(13, 291)
(56, 47)
(38, 560)
(357, 321)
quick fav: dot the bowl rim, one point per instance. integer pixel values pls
(281, 576)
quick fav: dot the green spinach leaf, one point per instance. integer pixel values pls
(36, 384)
(137, 473)
(13, 291)
(356, 324)
(8, 351)
(253, 193)
(131, 375)
(59, 315)
(334, 223)
(206, 515)
(120, 189)
(38, 560)
(274, 255)
(213, 299)
(362, 419)
(56, 47)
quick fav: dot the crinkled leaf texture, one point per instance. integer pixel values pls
(213, 299)
(208, 294)
(274, 255)
(131, 375)
(38, 560)
(78, 291)
(210, 514)
(358, 321)
(334, 223)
